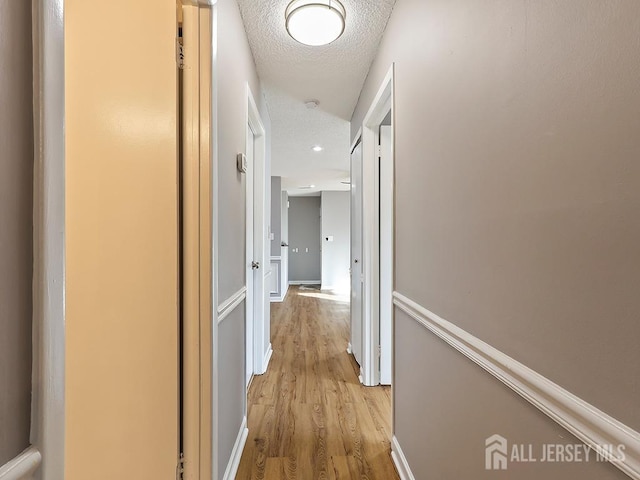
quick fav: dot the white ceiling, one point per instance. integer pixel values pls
(293, 73)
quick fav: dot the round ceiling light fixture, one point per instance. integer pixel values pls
(317, 148)
(315, 22)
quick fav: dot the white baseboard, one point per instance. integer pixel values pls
(400, 461)
(265, 361)
(23, 466)
(277, 299)
(305, 282)
(591, 425)
(236, 453)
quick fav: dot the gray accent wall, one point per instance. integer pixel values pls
(235, 67)
(16, 231)
(304, 233)
(276, 216)
(336, 241)
(517, 215)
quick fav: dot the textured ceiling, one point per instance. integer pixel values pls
(293, 73)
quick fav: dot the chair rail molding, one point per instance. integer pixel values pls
(589, 424)
(230, 304)
(23, 466)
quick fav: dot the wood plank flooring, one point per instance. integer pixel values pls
(309, 416)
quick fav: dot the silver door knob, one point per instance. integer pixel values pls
(255, 265)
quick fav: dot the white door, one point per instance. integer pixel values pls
(356, 253)
(250, 258)
(386, 252)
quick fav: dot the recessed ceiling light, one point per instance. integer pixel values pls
(317, 148)
(306, 187)
(315, 22)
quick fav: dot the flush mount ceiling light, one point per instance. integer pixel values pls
(315, 22)
(317, 148)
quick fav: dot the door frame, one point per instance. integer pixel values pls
(258, 230)
(45, 457)
(386, 251)
(198, 330)
(382, 103)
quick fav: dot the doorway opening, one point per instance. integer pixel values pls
(372, 187)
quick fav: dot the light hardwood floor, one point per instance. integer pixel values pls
(309, 417)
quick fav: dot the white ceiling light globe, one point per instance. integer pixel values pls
(315, 22)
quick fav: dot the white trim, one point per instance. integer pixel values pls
(48, 400)
(349, 351)
(305, 282)
(281, 298)
(589, 424)
(236, 453)
(273, 258)
(400, 461)
(229, 305)
(382, 103)
(23, 466)
(215, 377)
(357, 139)
(385, 237)
(266, 360)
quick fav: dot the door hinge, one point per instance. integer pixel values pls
(179, 53)
(180, 467)
(379, 351)
(379, 149)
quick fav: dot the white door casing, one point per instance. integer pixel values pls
(386, 252)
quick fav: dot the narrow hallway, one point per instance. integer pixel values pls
(309, 416)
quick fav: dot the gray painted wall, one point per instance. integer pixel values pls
(284, 233)
(284, 217)
(235, 68)
(336, 253)
(276, 216)
(517, 213)
(304, 232)
(16, 231)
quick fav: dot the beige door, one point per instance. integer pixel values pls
(122, 289)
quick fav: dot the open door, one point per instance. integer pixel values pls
(356, 252)
(258, 302)
(121, 235)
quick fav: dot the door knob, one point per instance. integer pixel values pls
(255, 265)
